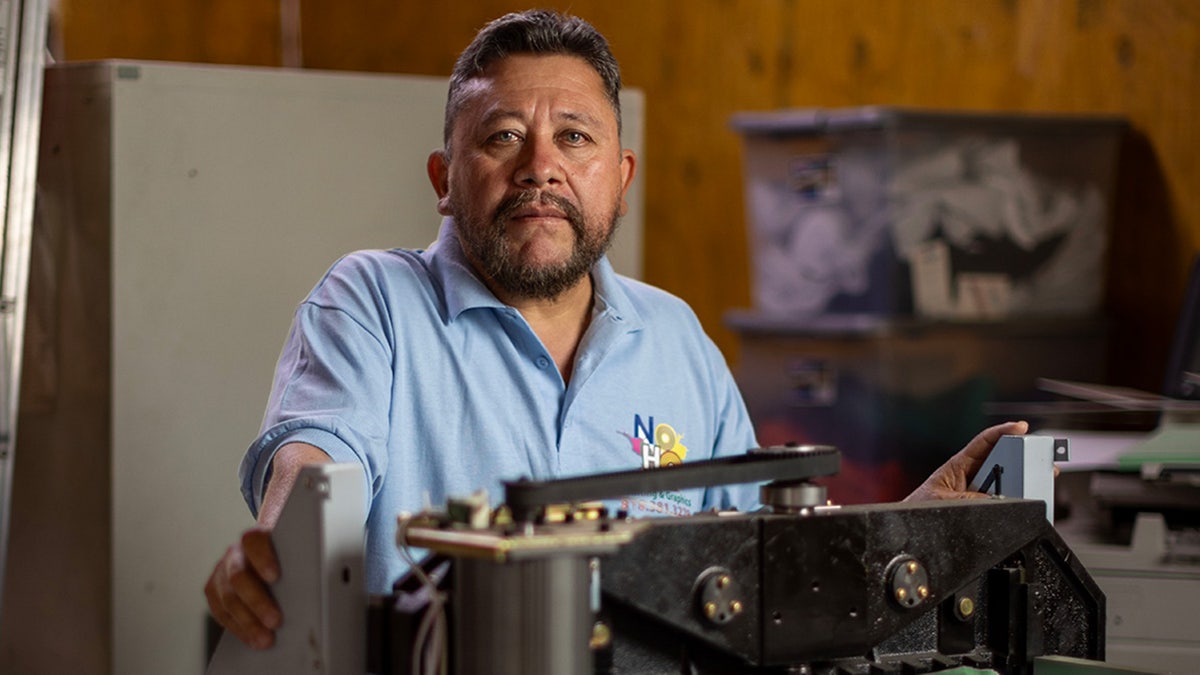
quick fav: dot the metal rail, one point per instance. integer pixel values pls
(23, 25)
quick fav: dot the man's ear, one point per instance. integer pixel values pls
(438, 168)
(628, 171)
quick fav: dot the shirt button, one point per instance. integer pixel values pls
(542, 362)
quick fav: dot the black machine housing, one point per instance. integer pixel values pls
(888, 588)
(819, 592)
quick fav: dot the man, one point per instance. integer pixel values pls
(508, 348)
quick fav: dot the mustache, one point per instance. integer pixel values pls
(515, 202)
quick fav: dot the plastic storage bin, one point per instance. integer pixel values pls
(899, 397)
(905, 212)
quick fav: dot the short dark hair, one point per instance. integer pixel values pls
(536, 31)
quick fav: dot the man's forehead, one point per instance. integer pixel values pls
(498, 114)
(518, 73)
(529, 60)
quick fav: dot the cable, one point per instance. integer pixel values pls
(430, 643)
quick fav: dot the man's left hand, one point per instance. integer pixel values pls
(952, 480)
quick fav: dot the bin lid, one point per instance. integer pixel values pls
(819, 121)
(756, 323)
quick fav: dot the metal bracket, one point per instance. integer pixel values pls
(319, 541)
(1023, 467)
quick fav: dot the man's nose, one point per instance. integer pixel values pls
(540, 163)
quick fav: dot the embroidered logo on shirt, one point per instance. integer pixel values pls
(657, 444)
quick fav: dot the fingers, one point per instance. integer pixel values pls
(260, 553)
(936, 488)
(979, 447)
(972, 456)
(977, 450)
(951, 480)
(959, 494)
(237, 594)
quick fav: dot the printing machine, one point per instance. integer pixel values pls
(553, 583)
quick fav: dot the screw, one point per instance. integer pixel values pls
(966, 606)
(601, 636)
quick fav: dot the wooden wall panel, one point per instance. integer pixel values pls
(242, 32)
(701, 61)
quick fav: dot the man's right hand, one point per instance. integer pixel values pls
(237, 591)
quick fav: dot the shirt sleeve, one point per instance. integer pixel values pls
(735, 435)
(333, 382)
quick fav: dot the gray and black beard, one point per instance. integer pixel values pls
(486, 245)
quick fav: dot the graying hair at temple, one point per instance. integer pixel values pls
(533, 32)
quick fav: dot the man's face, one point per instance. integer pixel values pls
(537, 178)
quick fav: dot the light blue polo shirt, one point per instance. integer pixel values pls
(403, 361)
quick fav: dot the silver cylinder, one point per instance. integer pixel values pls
(792, 497)
(528, 618)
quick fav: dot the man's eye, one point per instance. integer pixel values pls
(575, 137)
(505, 137)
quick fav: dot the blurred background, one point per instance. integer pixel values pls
(700, 62)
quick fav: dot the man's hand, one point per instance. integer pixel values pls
(237, 589)
(952, 479)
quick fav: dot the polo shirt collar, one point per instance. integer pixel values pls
(460, 287)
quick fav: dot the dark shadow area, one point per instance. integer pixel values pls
(1147, 268)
